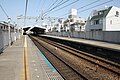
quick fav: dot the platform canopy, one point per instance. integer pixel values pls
(34, 29)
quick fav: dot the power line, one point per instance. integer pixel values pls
(50, 7)
(95, 6)
(52, 4)
(43, 4)
(88, 4)
(41, 15)
(4, 11)
(85, 5)
(55, 7)
(39, 6)
(59, 2)
(91, 7)
(26, 4)
(66, 5)
(8, 17)
(40, 10)
(59, 5)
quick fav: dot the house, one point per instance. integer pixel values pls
(78, 24)
(106, 19)
(73, 23)
(3, 25)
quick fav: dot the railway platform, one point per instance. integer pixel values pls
(107, 45)
(23, 61)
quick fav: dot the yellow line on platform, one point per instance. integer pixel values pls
(27, 65)
(22, 76)
(25, 74)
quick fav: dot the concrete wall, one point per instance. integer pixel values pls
(4, 38)
(109, 36)
(1, 41)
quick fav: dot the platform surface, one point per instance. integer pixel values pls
(108, 45)
(11, 61)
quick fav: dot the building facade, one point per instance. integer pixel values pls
(73, 23)
(106, 19)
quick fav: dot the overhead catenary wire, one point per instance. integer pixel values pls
(66, 5)
(52, 4)
(8, 17)
(85, 6)
(95, 6)
(26, 5)
(40, 10)
(47, 9)
(89, 4)
(42, 5)
(39, 4)
(54, 9)
(4, 11)
(59, 2)
(91, 7)
(56, 6)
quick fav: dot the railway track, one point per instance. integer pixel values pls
(90, 66)
(67, 72)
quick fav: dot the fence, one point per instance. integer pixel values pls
(109, 36)
(4, 38)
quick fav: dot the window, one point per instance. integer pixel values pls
(100, 21)
(100, 13)
(1, 27)
(96, 22)
(4, 27)
(92, 29)
(91, 22)
(110, 21)
(117, 14)
(96, 29)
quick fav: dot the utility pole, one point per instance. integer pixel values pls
(9, 33)
(18, 18)
(15, 27)
(69, 27)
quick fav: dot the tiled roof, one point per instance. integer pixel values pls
(105, 12)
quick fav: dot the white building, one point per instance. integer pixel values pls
(73, 23)
(60, 24)
(107, 19)
(78, 24)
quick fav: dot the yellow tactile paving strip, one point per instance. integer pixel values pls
(25, 74)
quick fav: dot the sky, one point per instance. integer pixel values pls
(14, 8)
